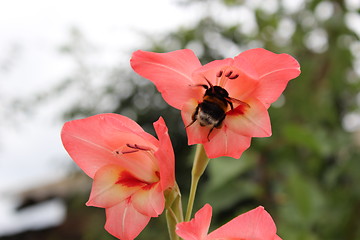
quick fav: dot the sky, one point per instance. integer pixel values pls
(31, 33)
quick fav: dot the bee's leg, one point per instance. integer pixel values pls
(190, 123)
(231, 105)
(208, 136)
(193, 117)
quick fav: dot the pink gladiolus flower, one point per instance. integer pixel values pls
(131, 169)
(223, 103)
(255, 224)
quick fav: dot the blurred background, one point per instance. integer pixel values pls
(65, 60)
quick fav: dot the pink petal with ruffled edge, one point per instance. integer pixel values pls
(124, 221)
(93, 142)
(170, 72)
(274, 71)
(255, 224)
(198, 227)
(225, 142)
(165, 155)
(252, 121)
(149, 200)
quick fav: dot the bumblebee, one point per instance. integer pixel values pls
(212, 110)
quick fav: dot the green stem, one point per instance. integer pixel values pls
(200, 163)
(194, 183)
(174, 212)
(171, 224)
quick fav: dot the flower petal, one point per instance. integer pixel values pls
(170, 72)
(225, 142)
(149, 200)
(253, 121)
(124, 222)
(255, 224)
(198, 227)
(165, 155)
(112, 184)
(92, 142)
(274, 71)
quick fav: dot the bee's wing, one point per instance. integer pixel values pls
(234, 100)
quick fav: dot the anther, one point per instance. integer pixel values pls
(137, 147)
(120, 152)
(219, 74)
(129, 151)
(233, 77)
(228, 74)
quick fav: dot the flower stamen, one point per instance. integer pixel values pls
(131, 148)
(228, 74)
(138, 147)
(234, 76)
(126, 152)
(224, 75)
(123, 150)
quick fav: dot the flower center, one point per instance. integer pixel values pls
(138, 157)
(129, 180)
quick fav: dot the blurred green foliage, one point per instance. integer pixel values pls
(307, 174)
